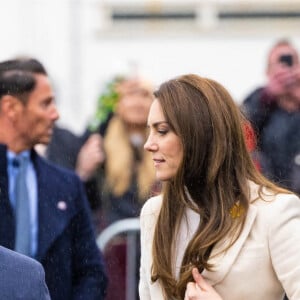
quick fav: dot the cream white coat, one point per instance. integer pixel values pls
(261, 265)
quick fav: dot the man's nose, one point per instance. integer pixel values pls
(55, 113)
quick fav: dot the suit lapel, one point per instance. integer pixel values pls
(224, 261)
(54, 209)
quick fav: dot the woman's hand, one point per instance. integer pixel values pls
(200, 289)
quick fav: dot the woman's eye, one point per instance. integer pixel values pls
(162, 131)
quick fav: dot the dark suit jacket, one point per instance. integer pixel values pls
(21, 277)
(66, 242)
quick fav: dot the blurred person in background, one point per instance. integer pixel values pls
(126, 177)
(274, 111)
(129, 176)
(57, 230)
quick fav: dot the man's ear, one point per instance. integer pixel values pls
(10, 106)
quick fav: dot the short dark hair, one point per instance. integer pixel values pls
(17, 77)
(23, 64)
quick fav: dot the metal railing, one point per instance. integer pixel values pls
(131, 229)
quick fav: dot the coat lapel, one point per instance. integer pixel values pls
(224, 261)
(54, 207)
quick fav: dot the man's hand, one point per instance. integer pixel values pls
(279, 81)
(294, 88)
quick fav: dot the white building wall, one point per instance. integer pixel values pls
(81, 53)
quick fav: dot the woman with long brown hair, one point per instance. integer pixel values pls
(217, 215)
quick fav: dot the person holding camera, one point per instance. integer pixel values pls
(274, 111)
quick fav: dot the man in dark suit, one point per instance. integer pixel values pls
(60, 232)
(21, 277)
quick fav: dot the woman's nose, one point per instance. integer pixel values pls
(150, 145)
(146, 145)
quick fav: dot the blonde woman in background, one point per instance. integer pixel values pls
(129, 177)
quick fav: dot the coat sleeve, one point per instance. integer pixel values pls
(41, 284)
(144, 292)
(284, 243)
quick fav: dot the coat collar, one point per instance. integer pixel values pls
(224, 261)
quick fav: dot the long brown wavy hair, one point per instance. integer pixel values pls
(215, 170)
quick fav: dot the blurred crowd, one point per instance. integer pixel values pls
(273, 111)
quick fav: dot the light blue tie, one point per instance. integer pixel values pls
(22, 212)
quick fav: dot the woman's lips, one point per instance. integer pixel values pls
(157, 162)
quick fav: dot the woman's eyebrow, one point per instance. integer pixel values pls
(157, 123)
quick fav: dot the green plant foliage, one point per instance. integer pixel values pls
(106, 103)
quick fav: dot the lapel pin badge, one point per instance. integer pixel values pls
(62, 205)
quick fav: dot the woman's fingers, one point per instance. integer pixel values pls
(192, 291)
(200, 289)
(203, 285)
